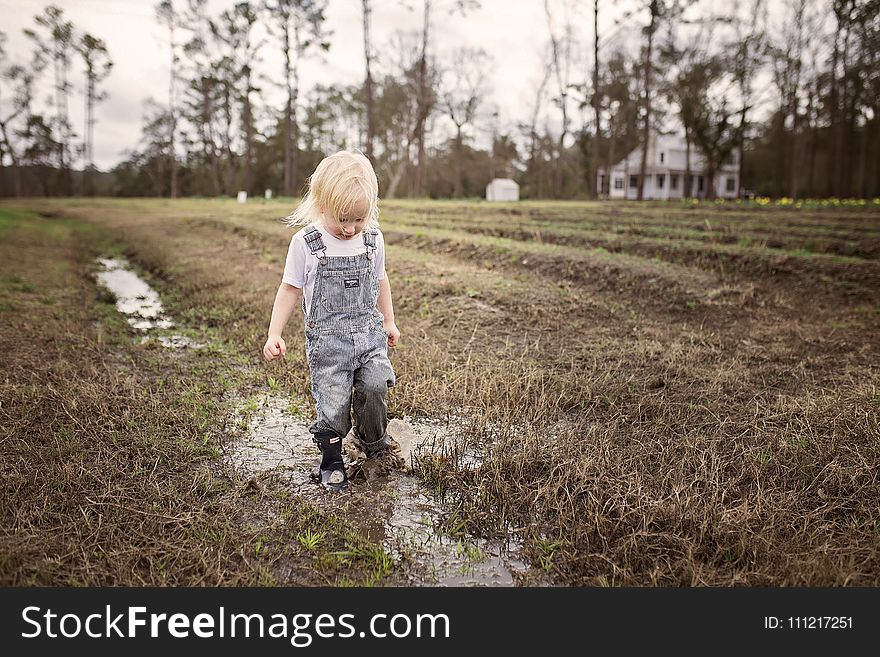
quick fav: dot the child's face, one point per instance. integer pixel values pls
(344, 230)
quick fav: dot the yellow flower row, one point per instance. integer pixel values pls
(797, 203)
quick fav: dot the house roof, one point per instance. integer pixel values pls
(504, 182)
(674, 151)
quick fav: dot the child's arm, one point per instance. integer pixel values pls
(386, 307)
(286, 300)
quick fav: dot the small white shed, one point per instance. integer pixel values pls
(502, 189)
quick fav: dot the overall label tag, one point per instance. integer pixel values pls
(352, 282)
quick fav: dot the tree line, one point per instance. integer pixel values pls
(793, 85)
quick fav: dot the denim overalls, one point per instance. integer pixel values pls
(346, 344)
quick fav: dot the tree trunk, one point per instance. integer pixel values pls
(172, 109)
(560, 157)
(16, 171)
(209, 148)
(594, 153)
(533, 170)
(612, 148)
(457, 191)
(686, 192)
(418, 183)
(287, 185)
(795, 160)
(647, 129)
(843, 164)
(834, 143)
(742, 149)
(861, 190)
(368, 83)
(248, 119)
(88, 183)
(813, 143)
(66, 179)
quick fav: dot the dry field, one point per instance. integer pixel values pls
(661, 394)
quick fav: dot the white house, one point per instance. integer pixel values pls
(665, 172)
(502, 189)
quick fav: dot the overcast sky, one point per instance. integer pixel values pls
(513, 32)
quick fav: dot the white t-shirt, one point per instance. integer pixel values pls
(301, 265)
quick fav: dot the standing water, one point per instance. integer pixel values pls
(139, 302)
(396, 510)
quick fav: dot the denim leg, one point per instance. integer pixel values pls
(371, 382)
(332, 376)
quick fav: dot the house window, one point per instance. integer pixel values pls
(662, 158)
(731, 159)
(633, 181)
(673, 181)
(618, 183)
(731, 184)
(661, 178)
(700, 184)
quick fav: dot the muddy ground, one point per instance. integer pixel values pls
(605, 394)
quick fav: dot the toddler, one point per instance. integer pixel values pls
(335, 270)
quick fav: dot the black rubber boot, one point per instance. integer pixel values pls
(331, 472)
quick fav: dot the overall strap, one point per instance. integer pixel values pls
(312, 236)
(370, 241)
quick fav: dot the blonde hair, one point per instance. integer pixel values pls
(343, 185)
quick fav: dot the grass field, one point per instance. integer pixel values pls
(663, 394)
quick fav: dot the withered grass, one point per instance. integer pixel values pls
(649, 413)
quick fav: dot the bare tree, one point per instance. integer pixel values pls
(57, 38)
(235, 31)
(98, 64)
(843, 12)
(716, 132)
(534, 140)
(691, 71)
(20, 80)
(787, 59)
(561, 51)
(424, 99)
(748, 56)
(463, 90)
(620, 88)
(298, 24)
(167, 16)
(202, 102)
(799, 8)
(408, 92)
(425, 95)
(654, 8)
(40, 149)
(596, 102)
(368, 81)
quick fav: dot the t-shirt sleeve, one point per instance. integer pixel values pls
(295, 265)
(380, 256)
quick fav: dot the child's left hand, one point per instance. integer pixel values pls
(393, 333)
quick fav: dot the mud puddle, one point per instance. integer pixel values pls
(140, 304)
(394, 508)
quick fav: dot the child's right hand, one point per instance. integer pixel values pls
(274, 347)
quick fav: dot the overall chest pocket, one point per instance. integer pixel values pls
(346, 291)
